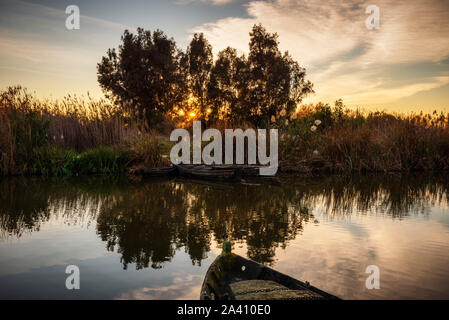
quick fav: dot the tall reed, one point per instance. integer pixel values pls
(346, 140)
(27, 125)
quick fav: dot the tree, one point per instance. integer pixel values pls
(144, 76)
(200, 61)
(276, 81)
(151, 78)
(223, 89)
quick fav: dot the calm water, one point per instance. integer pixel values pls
(155, 239)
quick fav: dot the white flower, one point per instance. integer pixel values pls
(315, 152)
(317, 122)
(283, 112)
(273, 119)
(313, 128)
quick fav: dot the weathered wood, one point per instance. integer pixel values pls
(222, 282)
(153, 172)
(206, 172)
(269, 290)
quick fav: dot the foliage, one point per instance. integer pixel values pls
(199, 61)
(147, 151)
(152, 78)
(65, 137)
(276, 80)
(345, 140)
(52, 161)
(144, 76)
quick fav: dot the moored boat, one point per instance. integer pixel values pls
(154, 172)
(205, 172)
(241, 170)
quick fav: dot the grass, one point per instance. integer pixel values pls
(71, 136)
(76, 136)
(52, 161)
(348, 140)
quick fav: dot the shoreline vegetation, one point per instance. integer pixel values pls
(77, 136)
(152, 87)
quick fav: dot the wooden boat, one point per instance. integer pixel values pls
(260, 180)
(216, 184)
(231, 277)
(241, 170)
(205, 172)
(154, 172)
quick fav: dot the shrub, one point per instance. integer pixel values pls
(35, 135)
(146, 150)
(355, 141)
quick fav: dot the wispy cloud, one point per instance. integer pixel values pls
(214, 2)
(34, 40)
(343, 57)
(369, 68)
(36, 9)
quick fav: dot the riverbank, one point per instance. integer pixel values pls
(70, 137)
(77, 136)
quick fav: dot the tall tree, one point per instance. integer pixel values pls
(276, 80)
(200, 61)
(222, 90)
(144, 76)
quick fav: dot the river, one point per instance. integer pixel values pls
(154, 239)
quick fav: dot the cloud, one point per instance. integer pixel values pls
(184, 287)
(331, 40)
(214, 2)
(37, 51)
(35, 9)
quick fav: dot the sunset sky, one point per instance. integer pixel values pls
(403, 66)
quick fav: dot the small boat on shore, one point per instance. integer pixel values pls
(205, 172)
(246, 173)
(218, 184)
(154, 172)
(232, 277)
(241, 170)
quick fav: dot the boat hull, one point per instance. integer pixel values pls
(231, 269)
(154, 172)
(206, 172)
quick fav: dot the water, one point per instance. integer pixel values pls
(155, 239)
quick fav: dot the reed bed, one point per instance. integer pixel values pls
(337, 139)
(80, 135)
(47, 137)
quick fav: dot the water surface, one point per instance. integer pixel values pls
(154, 239)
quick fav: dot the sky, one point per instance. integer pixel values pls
(402, 66)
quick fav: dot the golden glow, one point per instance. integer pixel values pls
(192, 99)
(192, 114)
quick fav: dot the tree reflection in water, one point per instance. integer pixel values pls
(147, 221)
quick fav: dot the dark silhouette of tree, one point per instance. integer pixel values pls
(144, 75)
(277, 81)
(255, 88)
(199, 60)
(227, 83)
(150, 76)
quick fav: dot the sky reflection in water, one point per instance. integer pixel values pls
(155, 239)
